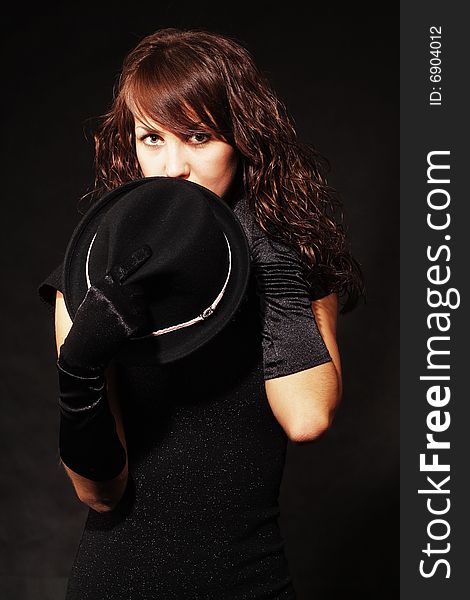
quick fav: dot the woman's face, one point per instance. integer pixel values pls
(200, 158)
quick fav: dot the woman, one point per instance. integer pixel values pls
(193, 513)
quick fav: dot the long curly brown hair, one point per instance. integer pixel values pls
(173, 76)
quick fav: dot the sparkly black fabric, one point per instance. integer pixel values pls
(198, 520)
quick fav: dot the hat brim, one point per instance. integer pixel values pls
(176, 344)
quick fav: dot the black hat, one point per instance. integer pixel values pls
(197, 275)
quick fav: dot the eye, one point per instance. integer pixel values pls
(199, 138)
(152, 139)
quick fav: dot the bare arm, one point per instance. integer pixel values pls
(304, 402)
(101, 496)
(326, 315)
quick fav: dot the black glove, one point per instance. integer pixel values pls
(110, 313)
(88, 441)
(290, 336)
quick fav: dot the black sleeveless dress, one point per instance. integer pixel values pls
(199, 519)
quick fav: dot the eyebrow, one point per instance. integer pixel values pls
(148, 129)
(197, 127)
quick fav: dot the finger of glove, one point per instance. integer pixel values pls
(132, 263)
(116, 306)
(128, 299)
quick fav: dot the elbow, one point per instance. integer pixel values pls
(304, 403)
(101, 504)
(308, 430)
(312, 423)
(106, 497)
(101, 496)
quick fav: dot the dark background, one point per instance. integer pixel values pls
(337, 68)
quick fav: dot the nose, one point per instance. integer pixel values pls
(177, 164)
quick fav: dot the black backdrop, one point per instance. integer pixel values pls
(337, 68)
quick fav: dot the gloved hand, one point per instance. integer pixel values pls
(291, 339)
(110, 313)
